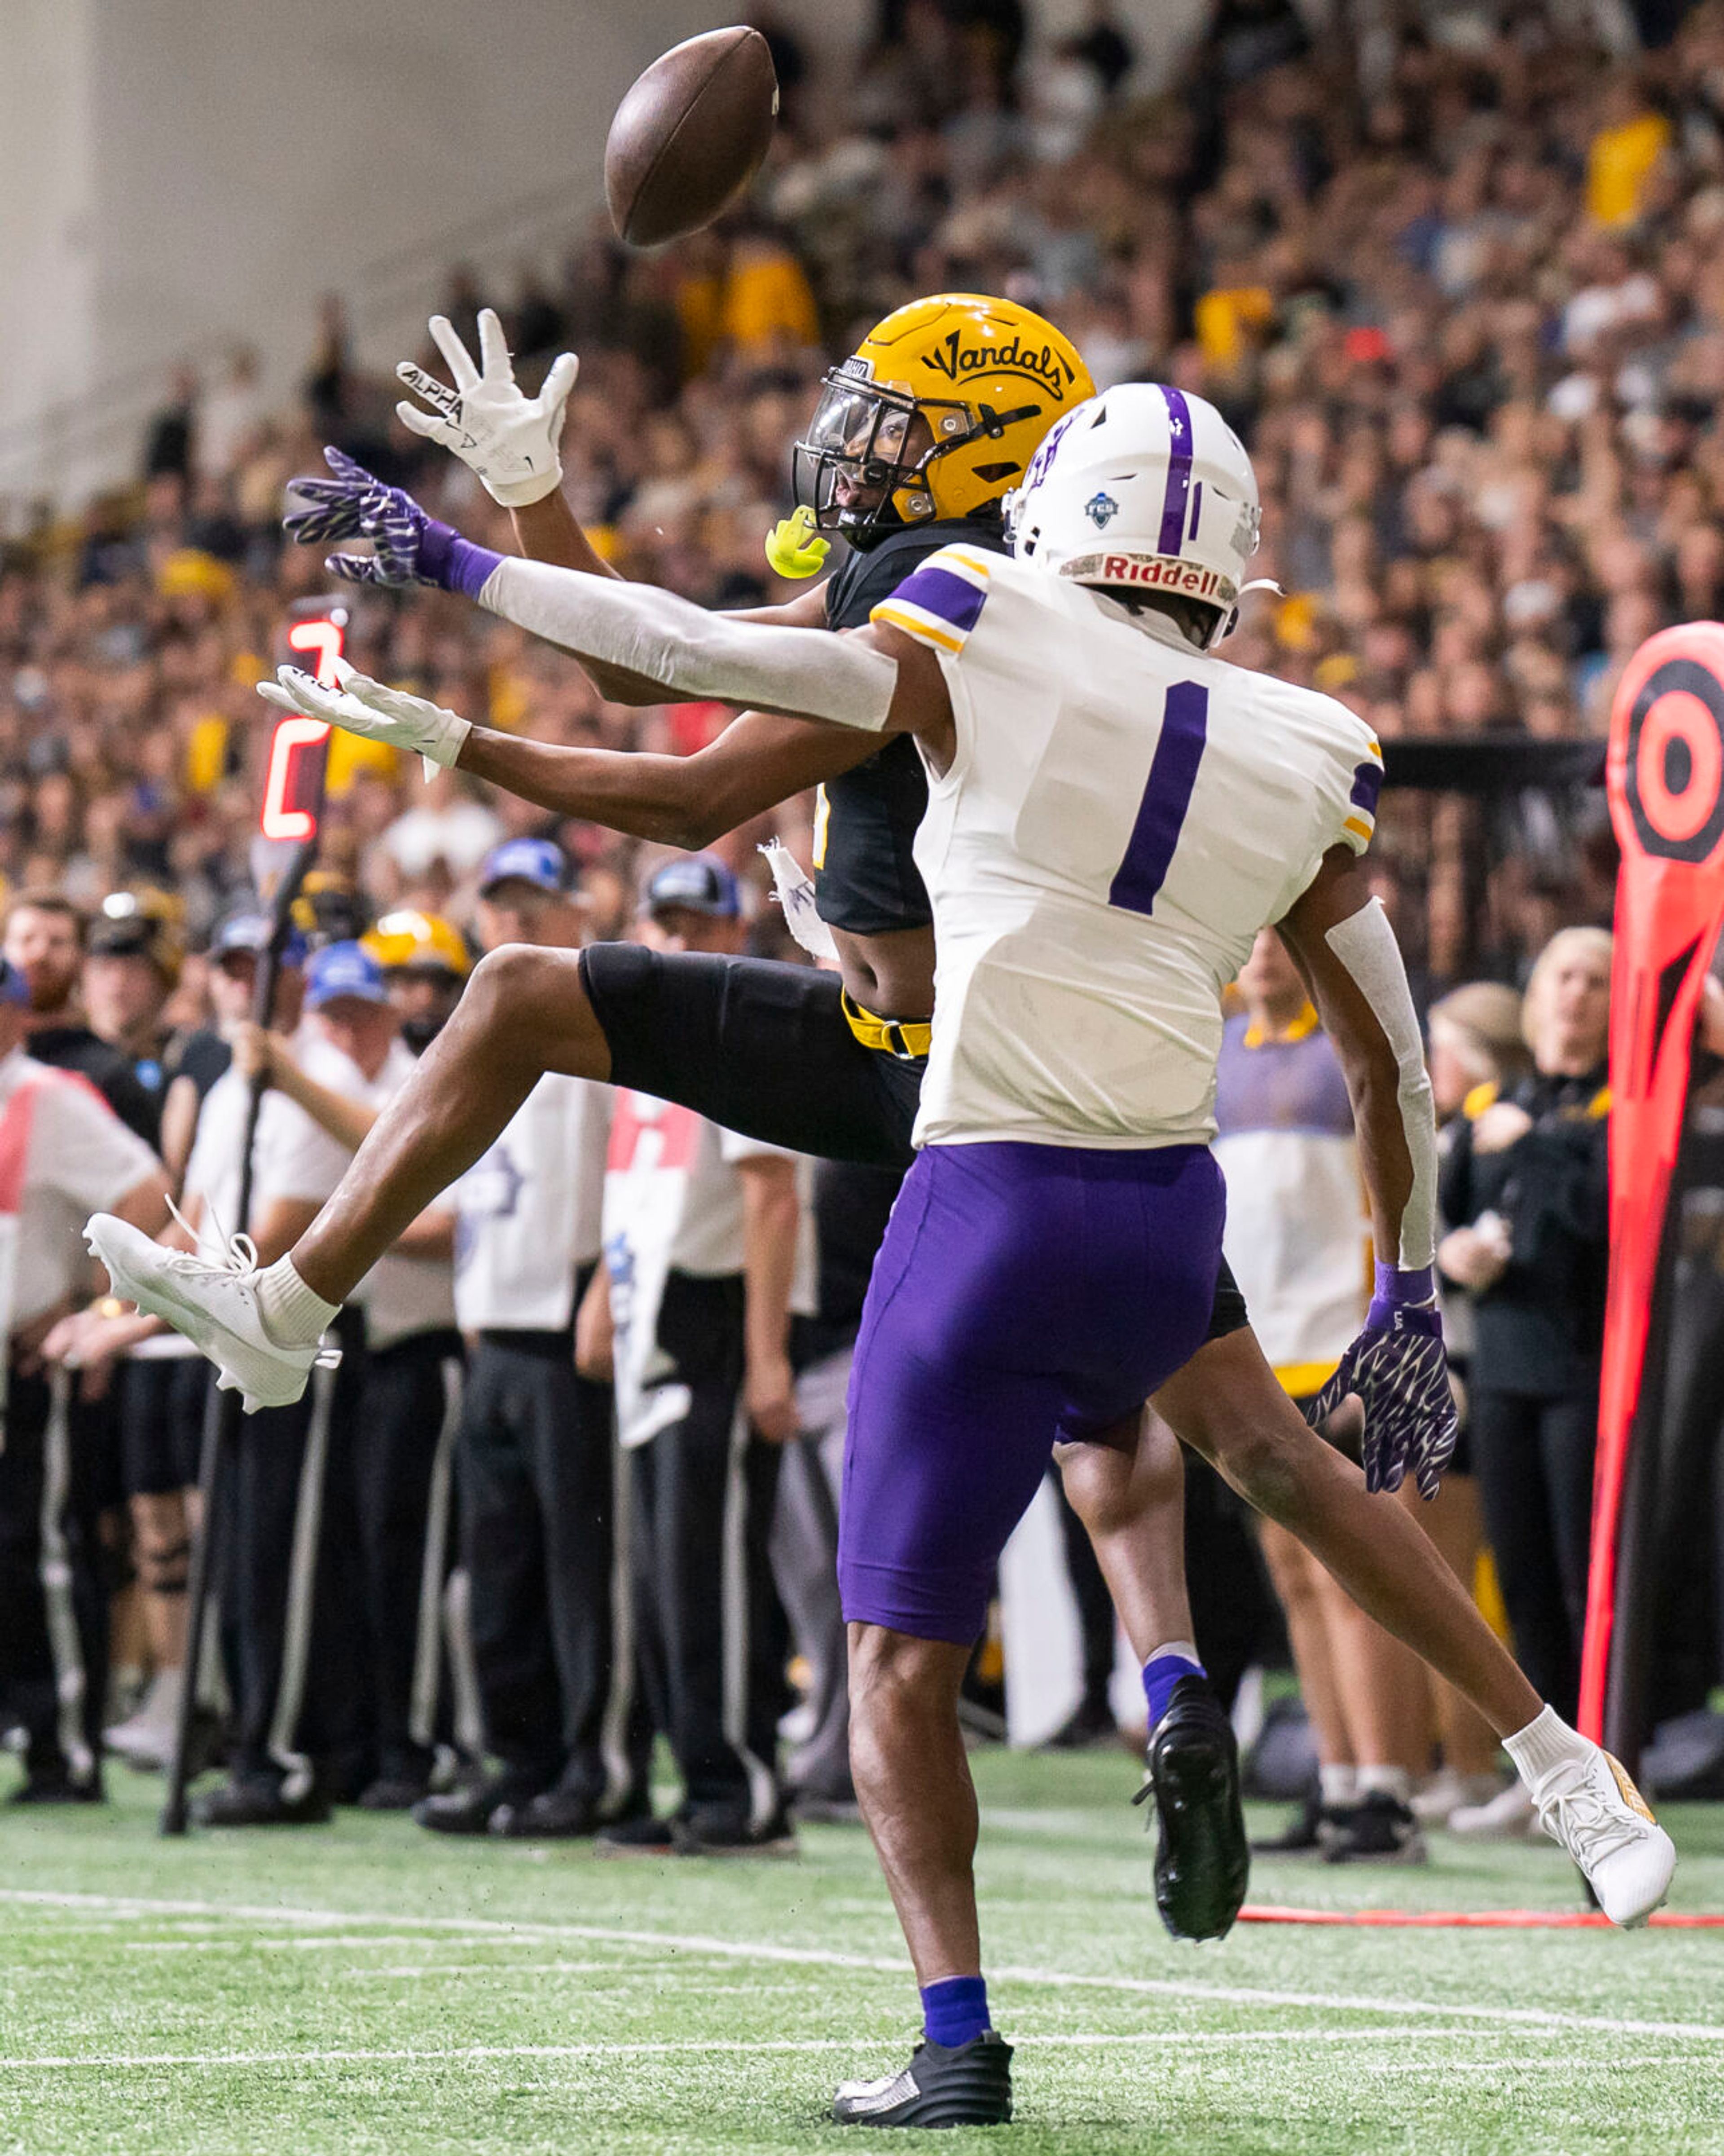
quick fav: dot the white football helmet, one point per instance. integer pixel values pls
(1143, 488)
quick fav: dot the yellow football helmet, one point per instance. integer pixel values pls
(935, 414)
(145, 923)
(424, 941)
(331, 908)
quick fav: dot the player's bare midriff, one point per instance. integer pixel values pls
(890, 975)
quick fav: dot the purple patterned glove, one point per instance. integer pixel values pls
(1399, 1369)
(409, 546)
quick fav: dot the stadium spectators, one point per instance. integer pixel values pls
(1465, 300)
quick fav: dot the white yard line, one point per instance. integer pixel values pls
(473, 1928)
(722, 2047)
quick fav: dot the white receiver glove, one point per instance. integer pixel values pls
(508, 439)
(361, 706)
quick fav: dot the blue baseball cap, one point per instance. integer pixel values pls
(536, 861)
(342, 970)
(701, 882)
(249, 931)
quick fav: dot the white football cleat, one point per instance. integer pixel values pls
(215, 1306)
(1588, 1803)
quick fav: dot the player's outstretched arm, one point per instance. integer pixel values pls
(1340, 938)
(755, 763)
(409, 547)
(877, 679)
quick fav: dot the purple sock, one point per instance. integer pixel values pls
(955, 2010)
(1161, 1673)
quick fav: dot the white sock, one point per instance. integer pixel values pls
(1545, 1742)
(294, 1314)
(1387, 1782)
(1337, 1786)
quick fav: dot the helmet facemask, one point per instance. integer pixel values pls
(864, 466)
(864, 450)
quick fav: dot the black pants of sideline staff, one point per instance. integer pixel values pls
(54, 1614)
(293, 1615)
(402, 1466)
(537, 1542)
(711, 1633)
(1533, 1457)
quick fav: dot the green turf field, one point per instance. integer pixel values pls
(361, 1988)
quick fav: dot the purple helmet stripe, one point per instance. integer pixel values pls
(1179, 470)
(1197, 511)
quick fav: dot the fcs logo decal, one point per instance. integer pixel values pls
(1041, 364)
(1101, 509)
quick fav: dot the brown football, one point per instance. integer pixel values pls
(690, 136)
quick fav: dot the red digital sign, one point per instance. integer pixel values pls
(293, 782)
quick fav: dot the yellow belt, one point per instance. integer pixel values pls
(909, 1041)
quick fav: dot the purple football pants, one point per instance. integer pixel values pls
(1024, 1294)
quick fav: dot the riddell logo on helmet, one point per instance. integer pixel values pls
(1162, 571)
(1041, 364)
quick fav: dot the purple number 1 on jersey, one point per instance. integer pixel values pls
(1173, 773)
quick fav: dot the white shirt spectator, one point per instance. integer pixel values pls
(528, 1211)
(79, 1158)
(673, 1203)
(400, 1295)
(294, 1159)
(459, 834)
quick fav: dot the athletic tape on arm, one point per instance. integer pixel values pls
(695, 654)
(1365, 944)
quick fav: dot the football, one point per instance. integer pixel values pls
(690, 136)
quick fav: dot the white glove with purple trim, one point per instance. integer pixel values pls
(1399, 1370)
(502, 435)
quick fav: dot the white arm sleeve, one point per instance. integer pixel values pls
(1365, 944)
(807, 672)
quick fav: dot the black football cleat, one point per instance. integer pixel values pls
(1303, 1835)
(970, 2085)
(1379, 1829)
(556, 1814)
(259, 1800)
(1203, 1861)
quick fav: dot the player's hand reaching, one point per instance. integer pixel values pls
(508, 439)
(1399, 1371)
(409, 547)
(363, 706)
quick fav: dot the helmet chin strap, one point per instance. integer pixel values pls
(1232, 622)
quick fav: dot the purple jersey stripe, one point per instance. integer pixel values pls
(1178, 471)
(1173, 773)
(1368, 784)
(938, 592)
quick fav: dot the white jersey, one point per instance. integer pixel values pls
(674, 1203)
(1122, 814)
(528, 1211)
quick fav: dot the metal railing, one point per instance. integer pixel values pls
(92, 439)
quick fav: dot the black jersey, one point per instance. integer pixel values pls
(865, 877)
(108, 1069)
